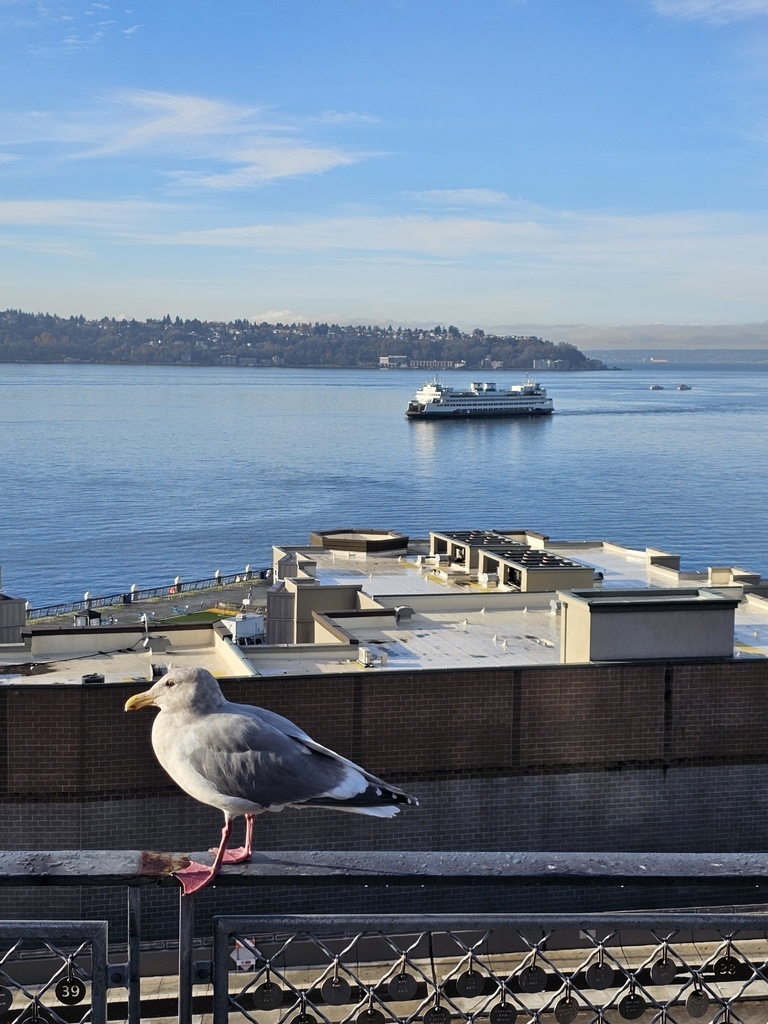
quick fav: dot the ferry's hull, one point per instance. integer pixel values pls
(432, 412)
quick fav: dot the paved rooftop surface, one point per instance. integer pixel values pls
(455, 622)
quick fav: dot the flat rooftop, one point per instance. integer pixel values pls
(455, 622)
(445, 618)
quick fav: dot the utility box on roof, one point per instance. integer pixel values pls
(246, 629)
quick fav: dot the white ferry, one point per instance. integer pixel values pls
(438, 401)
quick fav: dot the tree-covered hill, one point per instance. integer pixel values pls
(46, 338)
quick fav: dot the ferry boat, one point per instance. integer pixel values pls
(438, 401)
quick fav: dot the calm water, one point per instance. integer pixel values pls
(120, 475)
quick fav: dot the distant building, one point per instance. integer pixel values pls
(550, 364)
(13, 615)
(393, 362)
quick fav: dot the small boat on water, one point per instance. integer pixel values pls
(439, 401)
(657, 387)
(683, 387)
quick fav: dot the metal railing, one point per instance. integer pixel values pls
(447, 968)
(172, 589)
(75, 970)
(499, 968)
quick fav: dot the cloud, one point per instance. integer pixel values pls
(280, 316)
(682, 260)
(344, 117)
(714, 11)
(460, 196)
(238, 145)
(270, 162)
(54, 213)
(142, 119)
(85, 28)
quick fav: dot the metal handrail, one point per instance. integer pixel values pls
(136, 870)
(173, 589)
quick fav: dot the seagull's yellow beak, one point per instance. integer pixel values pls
(139, 700)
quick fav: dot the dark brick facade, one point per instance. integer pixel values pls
(654, 756)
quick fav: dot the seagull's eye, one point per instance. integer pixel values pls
(170, 683)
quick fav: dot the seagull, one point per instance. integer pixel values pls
(245, 760)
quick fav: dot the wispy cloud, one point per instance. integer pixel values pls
(56, 213)
(526, 235)
(238, 145)
(535, 234)
(714, 11)
(259, 164)
(456, 197)
(344, 117)
(62, 27)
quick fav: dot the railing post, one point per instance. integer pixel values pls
(134, 955)
(186, 934)
(220, 972)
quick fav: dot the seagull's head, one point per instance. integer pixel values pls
(178, 690)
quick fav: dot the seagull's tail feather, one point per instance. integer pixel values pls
(377, 800)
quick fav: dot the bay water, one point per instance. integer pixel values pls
(113, 475)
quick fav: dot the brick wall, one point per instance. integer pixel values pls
(75, 745)
(667, 756)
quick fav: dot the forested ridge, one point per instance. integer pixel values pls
(47, 338)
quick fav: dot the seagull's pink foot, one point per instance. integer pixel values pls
(195, 877)
(240, 855)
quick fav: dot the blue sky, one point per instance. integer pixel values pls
(481, 162)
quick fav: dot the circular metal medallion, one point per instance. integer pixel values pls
(403, 986)
(35, 1015)
(697, 1004)
(532, 979)
(6, 999)
(663, 971)
(599, 976)
(336, 991)
(567, 1010)
(470, 983)
(726, 967)
(437, 1015)
(304, 1018)
(267, 996)
(70, 991)
(371, 1016)
(503, 1013)
(632, 1007)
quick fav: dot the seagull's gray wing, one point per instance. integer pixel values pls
(243, 755)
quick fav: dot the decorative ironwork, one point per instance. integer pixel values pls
(667, 969)
(47, 969)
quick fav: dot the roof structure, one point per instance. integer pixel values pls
(413, 609)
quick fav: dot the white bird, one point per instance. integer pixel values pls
(245, 760)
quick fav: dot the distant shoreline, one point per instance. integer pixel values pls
(693, 359)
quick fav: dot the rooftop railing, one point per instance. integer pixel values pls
(172, 589)
(671, 967)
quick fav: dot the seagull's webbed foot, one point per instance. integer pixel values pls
(241, 854)
(195, 877)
